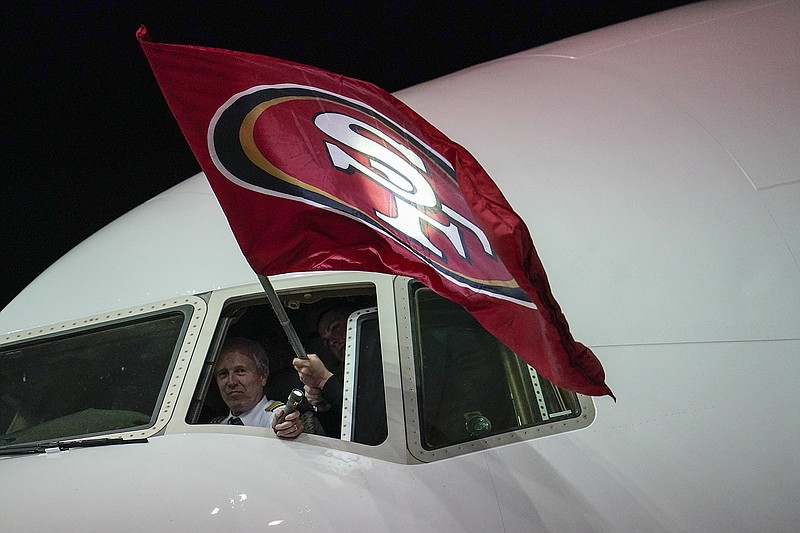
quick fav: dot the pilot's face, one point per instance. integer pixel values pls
(333, 331)
(240, 383)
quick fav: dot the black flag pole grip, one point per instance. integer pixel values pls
(283, 318)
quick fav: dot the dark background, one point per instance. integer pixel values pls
(87, 135)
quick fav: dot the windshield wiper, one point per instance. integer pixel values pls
(60, 446)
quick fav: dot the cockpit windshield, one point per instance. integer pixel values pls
(471, 386)
(89, 381)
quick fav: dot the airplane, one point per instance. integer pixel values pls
(655, 162)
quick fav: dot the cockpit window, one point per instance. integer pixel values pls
(340, 325)
(88, 382)
(470, 386)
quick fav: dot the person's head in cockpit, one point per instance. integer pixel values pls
(332, 329)
(241, 372)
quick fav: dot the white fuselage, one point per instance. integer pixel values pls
(655, 163)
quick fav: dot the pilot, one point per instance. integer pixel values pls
(323, 386)
(242, 371)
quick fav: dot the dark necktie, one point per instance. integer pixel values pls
(235, 421)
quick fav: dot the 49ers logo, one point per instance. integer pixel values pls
(362, 165)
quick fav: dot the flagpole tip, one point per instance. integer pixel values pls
(142, 34)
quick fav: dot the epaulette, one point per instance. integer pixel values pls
(274, 405)
(218, 419)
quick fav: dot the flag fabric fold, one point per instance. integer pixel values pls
(317, 171)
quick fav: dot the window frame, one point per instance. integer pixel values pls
(392, 449)
(193, 309)
(352, 367)
(404, 293)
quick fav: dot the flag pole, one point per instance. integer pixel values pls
(283, 318)
(294, 340)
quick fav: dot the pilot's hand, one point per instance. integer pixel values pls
(312, 371)
(289, 426)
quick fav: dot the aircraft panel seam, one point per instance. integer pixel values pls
(679, 343)
(494, 490)
(682, 28)
(779, 227)
(776, 185)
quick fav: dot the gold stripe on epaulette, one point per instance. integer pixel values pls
(274, 405)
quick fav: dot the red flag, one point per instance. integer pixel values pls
(316, 171)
